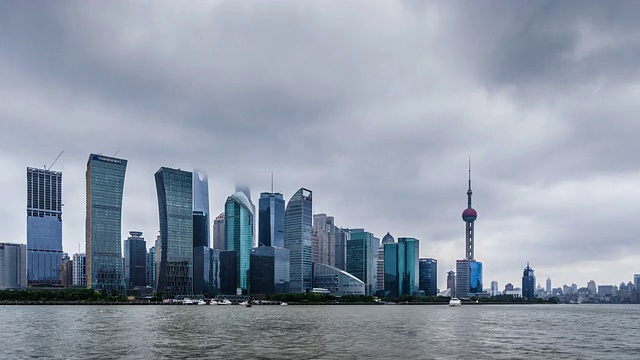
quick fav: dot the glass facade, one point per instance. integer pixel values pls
(271, 220)
(219, 238)
(475, 277)
(269, 270)
(214, 271)
(340, 252)
(202, 263)
(175, 205)
(239, 220)
(324, 230)
(338, 282)
(528, 283)
(462, 279)
(135, 260)
(80, 269)
(44, 227)
(429, 276)
(401, 267)
(228, 272)
(151, 268)
(13, 265)
(200, 209)
(105, 184)
(298, 227)
(362, 255)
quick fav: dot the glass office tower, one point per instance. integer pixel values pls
(151, 267)
(228, 271)
(269, 270)
(200, 209)
(238, 225)
(475, 277)
(44, 227)
(362, 255)
(429, 276)
(135, 260)
(401, 267)
(298, 227)
(219, 239)
(175, 206)
(271, 216)
(13, 266)
(105, 184)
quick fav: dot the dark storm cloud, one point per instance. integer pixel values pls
(375, 107)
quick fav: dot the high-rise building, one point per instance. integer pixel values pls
(158, 258)
(151, 267)
(175, 207)
(298, 227)
(528, 283)
(239, 218)
(135, 260)
(44, 227)
(271, 220)
(214, 274)
(200, 209)
(202, 277)
(80, 269)
(13, 266)
(219, 238)
(591, 286)
(67, 271)
(324, 228)
(548, 287)
(387, 239)
(105, 185)
(495, 290)
(636, 281)
(269, 270)
(401, 267)
(228, 272)
(342, 236)
(468, 270)
(362, 256)
(429, 276)
(451, 282)
(337, 282)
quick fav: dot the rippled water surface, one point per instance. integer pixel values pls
(320, 332)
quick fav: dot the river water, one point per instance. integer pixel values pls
(320, 332)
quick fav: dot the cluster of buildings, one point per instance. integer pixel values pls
(289, 250)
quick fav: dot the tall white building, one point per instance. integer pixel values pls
(494, 288)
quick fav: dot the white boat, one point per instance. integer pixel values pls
(244, 303)
(283, 304)
(187, 301)
(455, 302)
(226, 302)
(213, 302)
(202, 302)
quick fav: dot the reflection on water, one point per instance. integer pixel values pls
(319, 332)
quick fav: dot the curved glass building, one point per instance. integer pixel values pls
(238, 225)
(298, 228)
(338, 282)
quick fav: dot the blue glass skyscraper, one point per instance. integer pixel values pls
(401, 267)
(298, 228)
(200, 209)
(271, 216)
(44, 227)
(362, 255)
(135, 260)
(528, 283)
(105, 184)
(175, 205)
(239, 219)
(429, 276)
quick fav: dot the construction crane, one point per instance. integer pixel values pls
(117, 152)
(54, 161)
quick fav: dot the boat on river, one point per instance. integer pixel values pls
(454, 302)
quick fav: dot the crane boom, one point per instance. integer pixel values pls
(54, 161)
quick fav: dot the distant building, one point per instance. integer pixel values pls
(239, 227)
(151, 267)
(451, 282)
(607, 290)
(429, 276)
(342, 236)
(228, 272)
(401, 267)
(337, 282)
(271, 220)
(548, 286)
(79, 270)
(202, 277)
(324, 229)
(636, 281)
(105, 184)
(528, 283)
(135, 260)
(200, 209)
(67, 271)
(219, 238)
(13, 266)
(175, 204)
(214, 274)
(508, 287)
(298, 228)
(494, 288)
(387, 239)
(593, 289)
(468, 270)
(44, 227)
(269, 270)
(362, 254)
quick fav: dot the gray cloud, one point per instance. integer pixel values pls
(373, 107)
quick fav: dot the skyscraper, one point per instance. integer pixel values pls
(429, 276)
(175, 207)
(80, 269)
(239, 227)
(298, 227)
(528, 283)
(324, 228)
(387, 239)
(44, 227)
(269, 270)
(468, 270)
(67, 271)
(495, 290)
(342, 236)
(105, 184)
(135, 260)
(219, 238)
(151, 267)
(200, 209)
(362, 255)
(13, 266)
(271, 224)
(548, 286)
(228, 271)
(401, 267)
(202, 263)
(451, 282)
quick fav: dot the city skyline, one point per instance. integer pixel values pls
(542, 97)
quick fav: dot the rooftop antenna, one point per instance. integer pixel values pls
(54, 161)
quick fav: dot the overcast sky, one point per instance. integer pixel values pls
(374, 106)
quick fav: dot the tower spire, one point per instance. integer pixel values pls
(469, 192)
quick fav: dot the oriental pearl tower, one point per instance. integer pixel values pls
(469, 215)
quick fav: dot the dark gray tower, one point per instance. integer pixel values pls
(469, 216)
